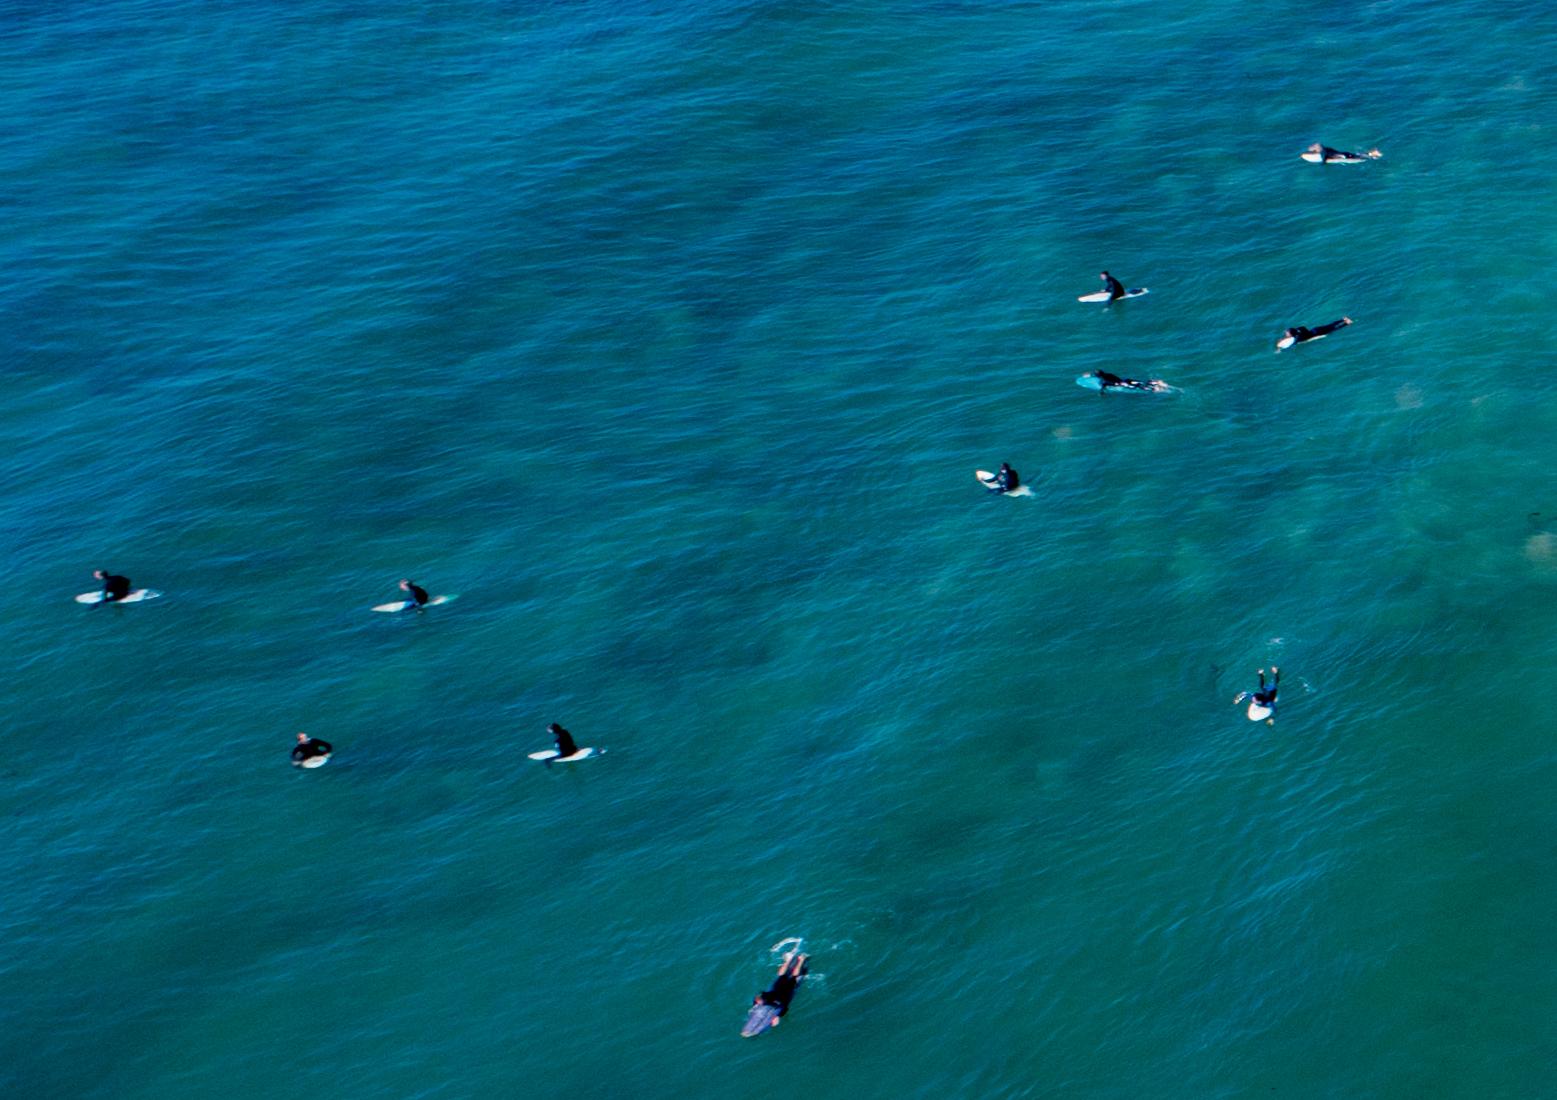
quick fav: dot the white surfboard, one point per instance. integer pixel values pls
(760, 1019)
(1102, 295)
(1091, 381)
(312, 761)
(551, 754)
(1258, 712)
(406, 605)
(135, 596)
(987, 480)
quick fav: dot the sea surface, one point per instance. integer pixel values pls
(668, 336)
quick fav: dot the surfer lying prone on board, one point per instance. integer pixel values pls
(1107, 380)
(1302, 333)
(1323, 154)
(1262, 703)
(791, 972)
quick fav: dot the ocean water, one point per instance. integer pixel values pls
(668, 337)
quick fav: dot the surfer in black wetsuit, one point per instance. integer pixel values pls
(1115, 288)
(1006, 479)
(417, 593)
(1302, 333)
(1264, 697)
(309, 747)
(114, 587)
(566, 746)
(1109, 380)
(1328, 155)
(791, 973)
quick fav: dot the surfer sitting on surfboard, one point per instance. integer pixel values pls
(417, 593)
(1006, 479)
(114, 587)
(1116, 289)
(791, 973)
(565, 743)
(1262, 703)
(1302, 333)
(1328, 155)
(307, 748)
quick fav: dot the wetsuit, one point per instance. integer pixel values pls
(1264, 697)
(1115, 288)
(565, 743)
(417, 593)
(1006, 479)
(782, 991)
(307, 750)
(115, 587)
(1303, 332)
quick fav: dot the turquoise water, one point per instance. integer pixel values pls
(668, 336)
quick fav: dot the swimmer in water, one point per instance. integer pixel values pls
(1264, 697)
(1006, 479)
(791, 972)
(566, 746)
(115, 588)
(307, 748)
(1328, 155)
(417, 594)
(1110, 380)
(1302, 333)
(1115, 288)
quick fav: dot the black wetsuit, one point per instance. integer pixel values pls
(1116, 289)
(565, 743)
(1006, 479)
(417, 593)
(781, 992)
(1303, 332)
(115, 587)
(307, 750)
(1267, 697)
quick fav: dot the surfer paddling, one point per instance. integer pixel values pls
(115, 588)
(1302, 333)
(310, 752)
(791, 972)
(1262, 702)
(417, 595)
(1323, 154)
(1108, 380)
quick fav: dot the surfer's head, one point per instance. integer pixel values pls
(99, 574)
(405, 585)
(1316, 148)
(301, 738)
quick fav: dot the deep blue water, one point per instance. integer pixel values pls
(667, 337)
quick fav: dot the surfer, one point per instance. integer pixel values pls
(1006, 479)
(566, 746)
(1302, 333)
(1328, 155)
(417, 593)
(1263, 699)
(1109, 380)
(307, 748)
(114, 587)
(1113, 286)
(791, 973)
